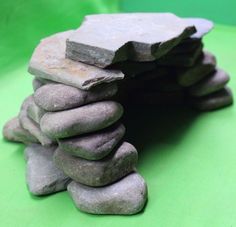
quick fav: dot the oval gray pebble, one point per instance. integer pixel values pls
(126, 196)
(85, 119)
(212, 83)
(56, 97)
(214, 101)
(101, 172)
(93, 146)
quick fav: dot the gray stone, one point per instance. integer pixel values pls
(202, 25)
(84, 119)
(93, 146)
(49, 62)
(35, 112)
(213, 101)
(28, 124)
(126, 196)
(13, 131)
(42, 175)
(116, 165)
(205, 65)
(56, 97)
(105, 39)
(37, 84)
(181, 60)
(212, 83)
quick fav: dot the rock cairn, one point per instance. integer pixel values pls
(72, 123)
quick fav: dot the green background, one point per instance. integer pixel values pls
(188, 159)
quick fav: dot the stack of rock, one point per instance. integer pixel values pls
(72, 125)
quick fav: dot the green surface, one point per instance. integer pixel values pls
(220, 11)
(187, 159)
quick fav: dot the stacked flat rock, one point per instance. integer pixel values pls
(72, 123)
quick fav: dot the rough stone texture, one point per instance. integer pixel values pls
(13, 131)
(98, 173)
(93, 146)
(28, 124)
(49, 62)
(203, 26)
(56, 97)
(205, 65)
(181, 60)
(126, 196)
(42, 175)
(84, 119)
(212, 83)
(137, 36)
(35, 112)
(213, 101)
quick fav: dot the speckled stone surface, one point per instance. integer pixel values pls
(98, 173)
(126, 196)
(84, 119)
(35, 112)
(48, 61)
(93, 146)
(56, 97)
(42, 176)
(137, 37)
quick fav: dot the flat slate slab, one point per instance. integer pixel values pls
(105, 39)
(48, 61)
(42, 175)
(126, 196)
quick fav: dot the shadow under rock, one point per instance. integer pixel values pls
(151, 125)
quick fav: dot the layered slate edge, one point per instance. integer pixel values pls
(72, 124)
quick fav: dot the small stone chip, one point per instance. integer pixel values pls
(42, 176)
(49, 62)
(35, 112)
(116, 165)
(56, 97)
(105, 39)
(212, 83)
(13, 131)
(81, 120)
(126, 196)
(93, 146)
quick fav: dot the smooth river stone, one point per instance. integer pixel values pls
(93, 146)
(56, 97)
(42, 175)
(13, 131)
(105, 39)
(35, 112)
(81, 120)
(126, 196)
(28, 124)
(213, 101)
(181, 60)
(116, 165)
(49, 62)
(212, 83)
(205, 65)
(202, 25)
